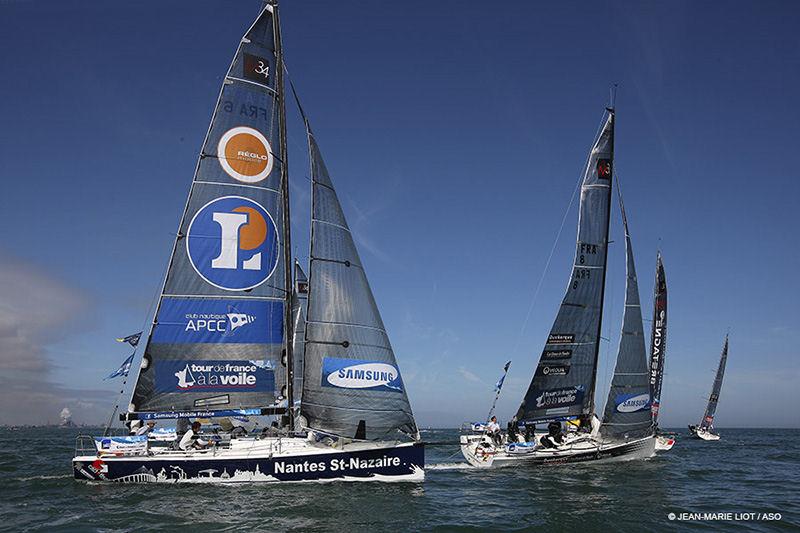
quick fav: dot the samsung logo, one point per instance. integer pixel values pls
(363, 376)
(633, 404)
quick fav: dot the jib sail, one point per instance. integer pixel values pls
(352, 385)
(711, 408)
(299, 309)
(563, 384)
(658, 338)
(627, 412)
(218, 336)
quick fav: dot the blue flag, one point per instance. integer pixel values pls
(133, 340)
(499, 384)
(123, 369)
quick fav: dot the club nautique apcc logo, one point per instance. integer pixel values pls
(232, 243)
(245, 154)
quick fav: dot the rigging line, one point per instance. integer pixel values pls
(558, 236)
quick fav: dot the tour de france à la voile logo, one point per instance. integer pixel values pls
(232, 243)
(245, 154)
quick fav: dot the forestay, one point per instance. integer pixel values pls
(563, 384)
(658, 338)
(352, 384)
(711, 408)
(627, 412)
(218, 334)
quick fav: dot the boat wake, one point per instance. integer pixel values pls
(450, 466)
(34, 478)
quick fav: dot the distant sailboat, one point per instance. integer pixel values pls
(705, 430)
(658, 351)
(563, 385)
(237, 334)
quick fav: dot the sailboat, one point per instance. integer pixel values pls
(563, 385)
(705, 430)
(658, 350)
(320, 339)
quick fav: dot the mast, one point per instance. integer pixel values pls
(287, 243)
(592, 406)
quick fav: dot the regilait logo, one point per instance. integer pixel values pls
(628, 403)
(232, 243)
(360, 374)
(245, 154)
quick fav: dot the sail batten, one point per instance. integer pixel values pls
(352, 384)
(563, 384)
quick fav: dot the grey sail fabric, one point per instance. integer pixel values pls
(711, 408)
(352, 385)
(627, 412)
(218, 334)
(299, 309)
(658, 338)
(563, 384)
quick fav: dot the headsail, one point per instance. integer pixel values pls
(352, 385)
(658, 338)
(219, 334)
(627, 411)
(299, 309)
(563, 384)
(711, 408)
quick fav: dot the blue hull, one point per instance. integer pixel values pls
(405, 462)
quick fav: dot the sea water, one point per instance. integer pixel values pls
(748, 480)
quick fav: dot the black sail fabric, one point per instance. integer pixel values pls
(352, 385)
(658, 338)
(627, 412)
(711, 408)
(299, 309)
(563, 384)
(218, 334)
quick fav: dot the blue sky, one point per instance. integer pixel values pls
(455, 135)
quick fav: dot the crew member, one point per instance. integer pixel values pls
(493, 429)
(145, 430)
(191, 439)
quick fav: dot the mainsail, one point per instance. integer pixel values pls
(711, 408)
(627, 412)
(218, 338)
(658, 338)
(352, 385)
(564, 381)
(299, 309)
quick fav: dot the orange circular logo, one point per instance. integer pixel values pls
(245, 154)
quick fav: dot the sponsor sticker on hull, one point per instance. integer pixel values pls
(214, 376)
(200, 320)
(360, 374)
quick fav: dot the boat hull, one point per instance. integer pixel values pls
(301, 462)
(702, 434)
(576, 453)
(664, 443)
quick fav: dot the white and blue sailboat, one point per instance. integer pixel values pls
(705, 429)
(237, 333)
(563, 385)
